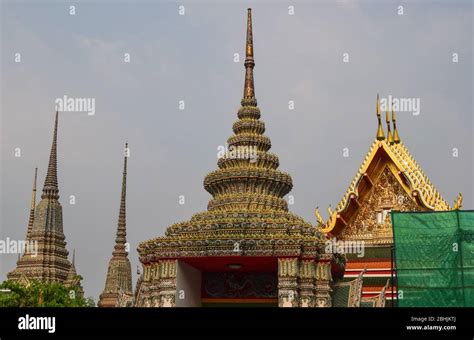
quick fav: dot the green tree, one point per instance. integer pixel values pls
(42, 294)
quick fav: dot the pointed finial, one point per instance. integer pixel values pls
(32, 207)
(33, 198)
(319, 218)
(120, 239)
(249, 89)
(458, 202)
(396, 138)
(50, 189)
(249, 41)
(389, 133)
(380, 134)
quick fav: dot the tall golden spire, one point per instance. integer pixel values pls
(51, 189)
(396, 138)
(389, 133)
(380, 134)
(32, 208)
(249, 89)
(121, 239)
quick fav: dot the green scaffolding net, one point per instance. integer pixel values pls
(434, 258)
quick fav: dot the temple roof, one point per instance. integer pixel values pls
(387, 151)
(406, 164)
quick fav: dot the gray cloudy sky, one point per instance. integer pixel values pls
(191, 58)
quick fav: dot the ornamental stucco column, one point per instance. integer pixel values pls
(307, 275)
(288, 282)
(167, 283)
(323, 282)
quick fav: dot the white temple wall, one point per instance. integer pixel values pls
(188, 286)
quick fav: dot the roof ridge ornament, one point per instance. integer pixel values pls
(389, 133)
(396, 137)
(458, 202)
(380, 133)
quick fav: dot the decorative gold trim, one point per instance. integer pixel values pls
(418, 185)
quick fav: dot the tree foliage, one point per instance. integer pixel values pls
(42, 294)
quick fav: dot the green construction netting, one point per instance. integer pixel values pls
(434, 258)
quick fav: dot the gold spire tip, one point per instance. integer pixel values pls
(249, 89)
(378, 105)
(396, 137)
(380, 134)
(389, 132)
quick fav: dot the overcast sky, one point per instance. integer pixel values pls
(191, 57)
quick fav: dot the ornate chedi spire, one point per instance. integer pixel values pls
(380, 134)
(119, 274)
(247, 215)
(72, 277)
(247, 187)
(32, 207)
(51, 189)
(121, 238)
(72, 270)
(248, 178)
(47, 258)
